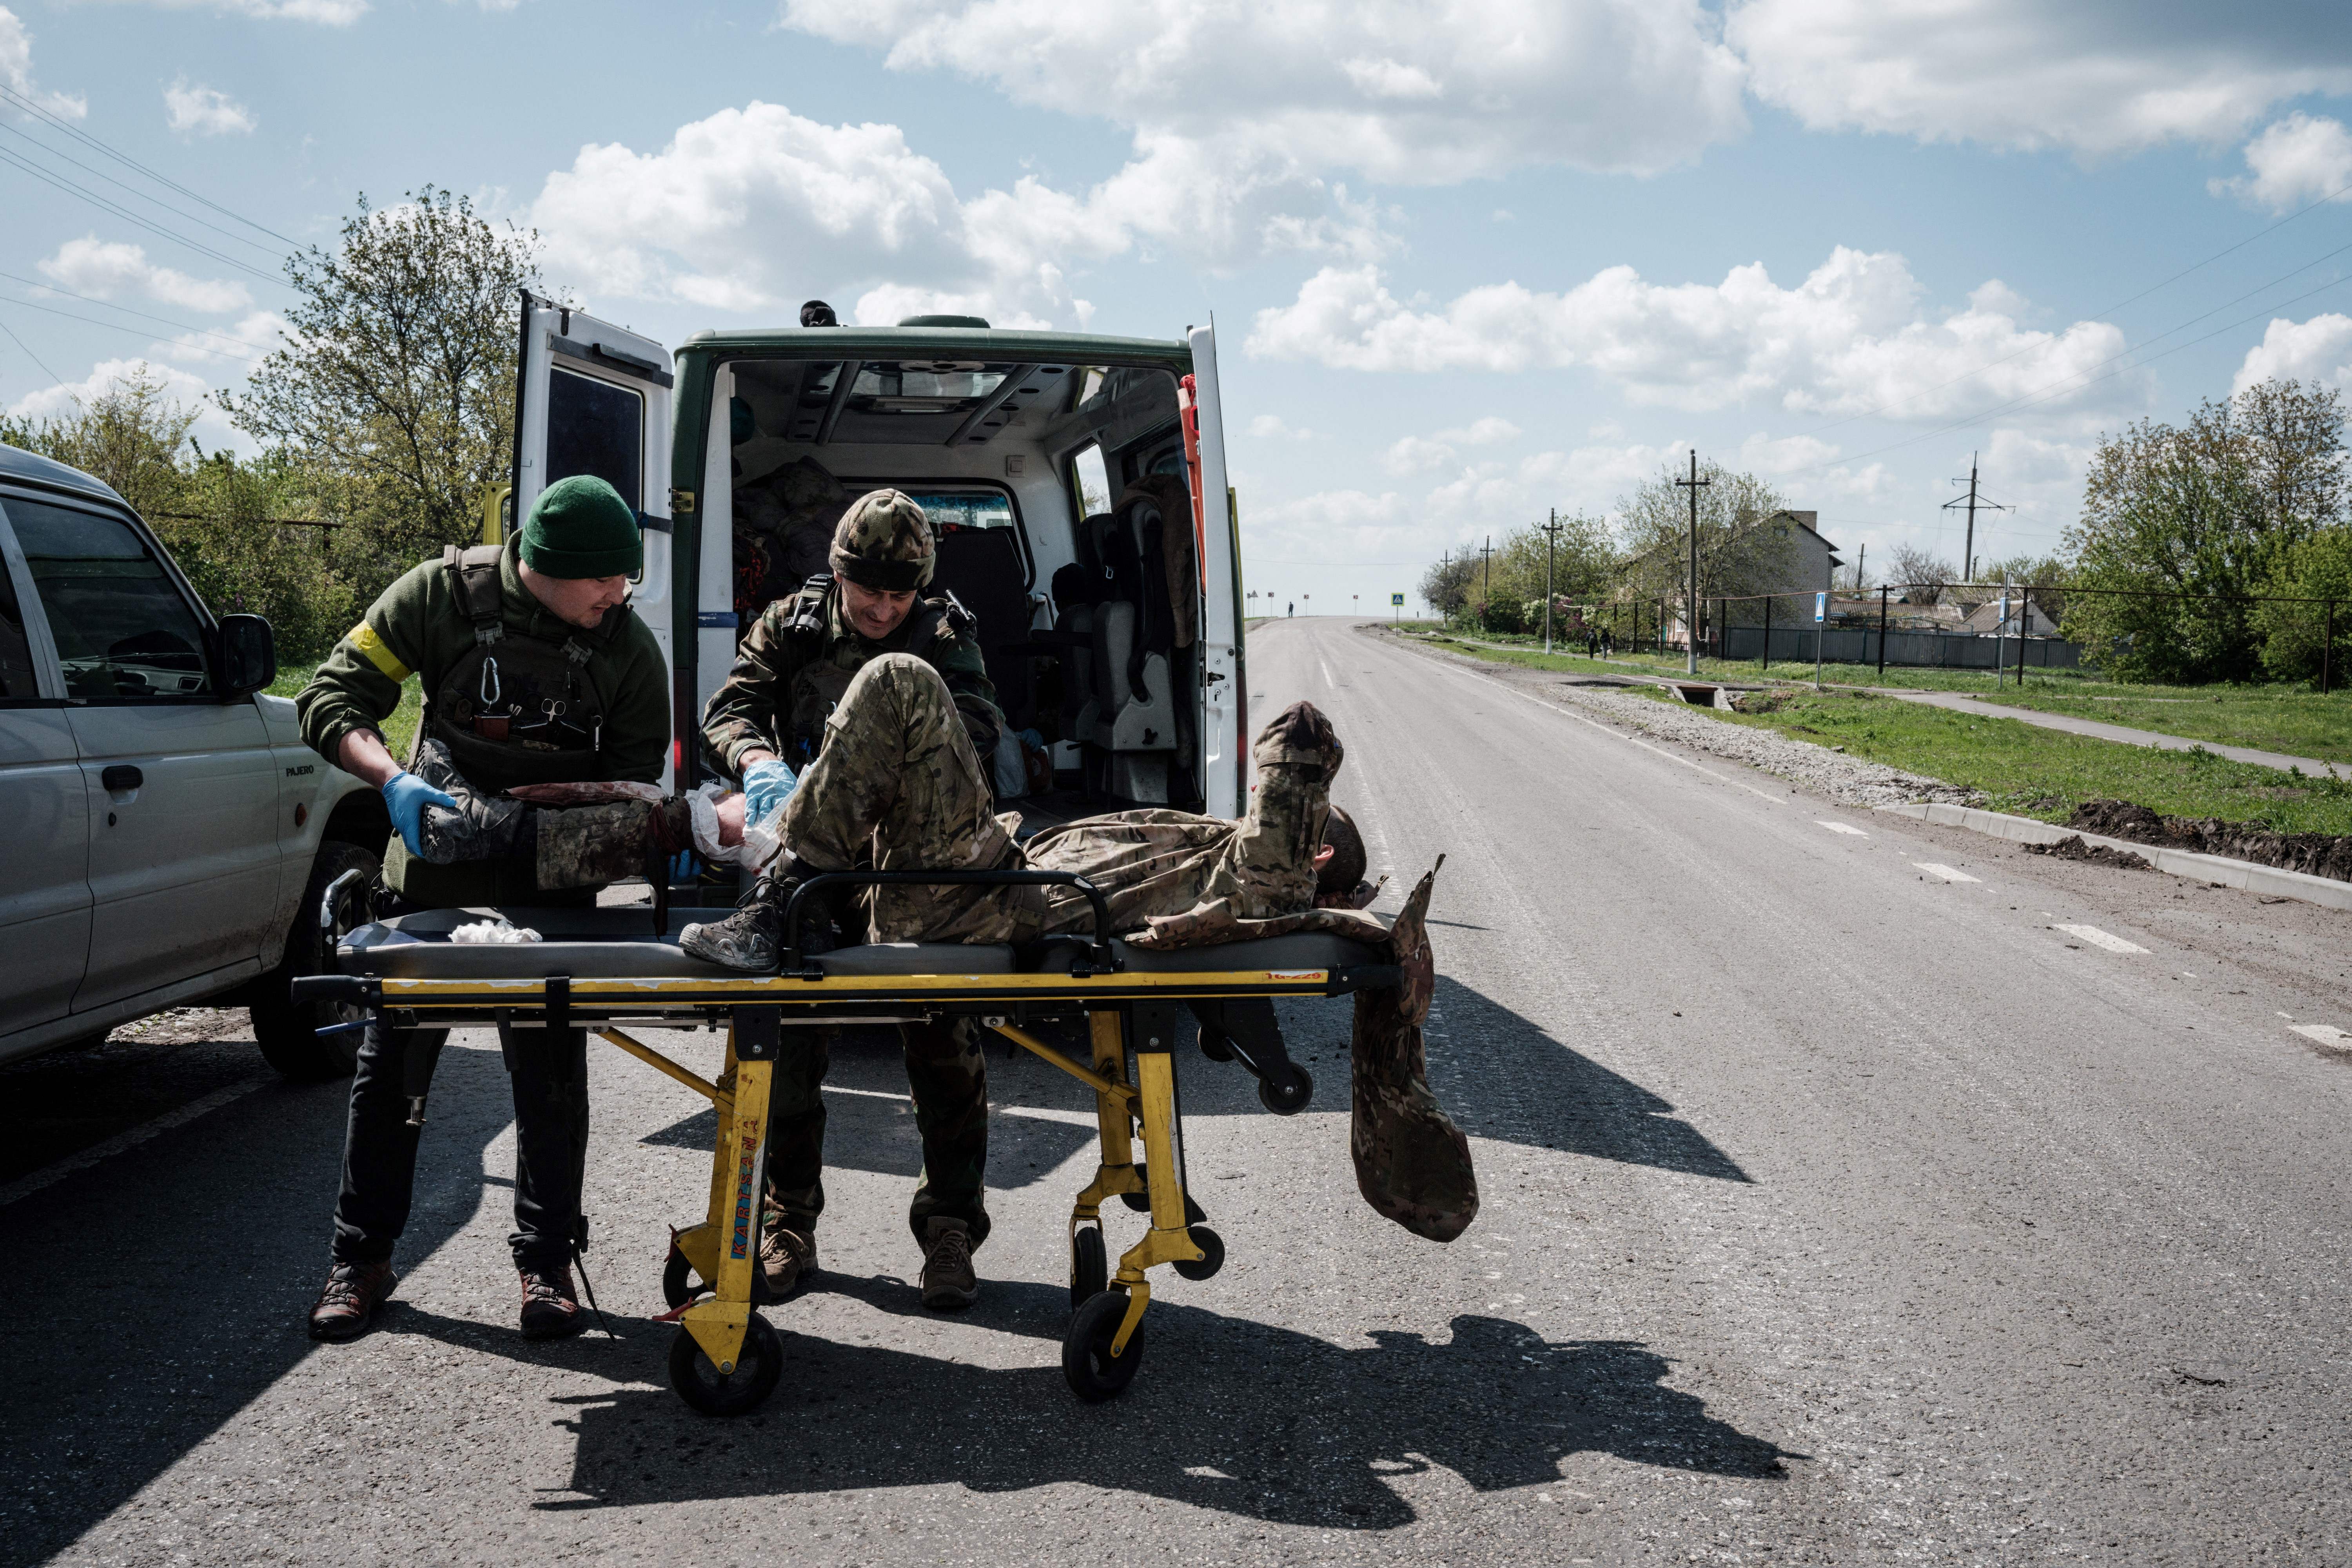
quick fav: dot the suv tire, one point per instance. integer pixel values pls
(286, 1032)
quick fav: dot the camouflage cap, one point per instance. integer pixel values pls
(884, 543)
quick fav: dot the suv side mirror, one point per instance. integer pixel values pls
(248, 656)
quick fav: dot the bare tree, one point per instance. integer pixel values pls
(1921, 573)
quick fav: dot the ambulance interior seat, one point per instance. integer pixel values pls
(1132, 726)
(982, 568)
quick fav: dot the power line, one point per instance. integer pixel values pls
(2109, 309)
(110, 305)
(35, 358)
(133, 190)
(2059, 387)
(118, 210)
(128, 163)
(243, 351)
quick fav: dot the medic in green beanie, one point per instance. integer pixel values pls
(533, 670)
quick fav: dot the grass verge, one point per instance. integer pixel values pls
(399, 730)
(2032, 772)
(2288, 719)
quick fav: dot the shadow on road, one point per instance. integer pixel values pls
(147, 1299)
(1235, 1415)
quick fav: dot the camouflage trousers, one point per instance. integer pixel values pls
(948, 1076)
(897, 780)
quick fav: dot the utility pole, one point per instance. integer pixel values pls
(1972, 501)
(1862, 559)
(1690, 603)
(1551, 539)
(1486, 567)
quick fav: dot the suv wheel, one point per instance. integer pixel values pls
(287, 1032)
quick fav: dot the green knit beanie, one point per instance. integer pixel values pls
(580, 526)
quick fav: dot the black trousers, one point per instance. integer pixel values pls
(550, 1081)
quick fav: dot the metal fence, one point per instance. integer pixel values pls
(1910, 650)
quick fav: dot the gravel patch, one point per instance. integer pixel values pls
(1849, 780)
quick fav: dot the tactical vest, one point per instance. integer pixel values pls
(514, 709)
(818, 687)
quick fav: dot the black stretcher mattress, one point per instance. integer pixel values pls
(619, 943)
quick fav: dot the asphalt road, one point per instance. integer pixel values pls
(1835, 1212)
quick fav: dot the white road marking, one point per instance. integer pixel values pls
(1326, 664)
(1847, 828)
(1946, 873)
(2098, 938)
(2327, 1034)
(27, 1185)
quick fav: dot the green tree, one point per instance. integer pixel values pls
(2293, 634)
(1741, 548)
(2193, 519)
(1445, 586)
(132, 435)
(394, 388)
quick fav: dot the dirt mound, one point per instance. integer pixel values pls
(2314, 854)
(2073, 848)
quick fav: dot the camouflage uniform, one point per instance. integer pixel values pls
(899, 779)
(796, 661)
(793, 669)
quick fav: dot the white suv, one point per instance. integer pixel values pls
(166, 837)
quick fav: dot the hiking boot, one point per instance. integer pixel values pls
(550, 1308)
(949, 1283)
(787, 1255)
(482, 827)
(751, 939)
(353, 1293)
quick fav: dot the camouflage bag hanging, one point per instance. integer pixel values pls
(1412, 1164)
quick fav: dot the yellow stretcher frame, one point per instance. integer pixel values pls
(1124, 1012)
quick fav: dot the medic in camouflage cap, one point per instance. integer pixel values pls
(884, 543)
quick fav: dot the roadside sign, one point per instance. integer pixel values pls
(1396, 600)
(1821, 607)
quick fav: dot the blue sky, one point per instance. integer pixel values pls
(1467, 262)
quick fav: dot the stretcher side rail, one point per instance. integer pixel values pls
(1100, 950)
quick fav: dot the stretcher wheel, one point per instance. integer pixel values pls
(1213, 1253)
(1089, 1266)
(679, 1284)
(1092, 1373)
(1290, 1096)
(701, 1384)
(1214, 1045)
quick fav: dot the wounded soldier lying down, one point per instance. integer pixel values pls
(898, 777)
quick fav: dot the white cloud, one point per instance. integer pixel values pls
(757, 208)
(236, 348)
(2297, 160)
(212, 429)
(1849, 338)
(2099, 77)
(2319, 349)
(104, 269)
(327, 13)
(1422, 455)
(1274, 427)
(1405, 91)
(17, 70)
(205, 111)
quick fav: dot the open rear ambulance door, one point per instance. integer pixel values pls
(593, 398)
(1224, 771)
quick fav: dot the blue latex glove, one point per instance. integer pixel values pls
(684, 866)
(405, 796)
(766, 786)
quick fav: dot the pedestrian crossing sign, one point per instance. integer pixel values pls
(1396, 600)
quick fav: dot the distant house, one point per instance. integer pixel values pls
(2008, 616)
(1780, 552)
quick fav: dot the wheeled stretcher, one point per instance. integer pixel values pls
(603, 969)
